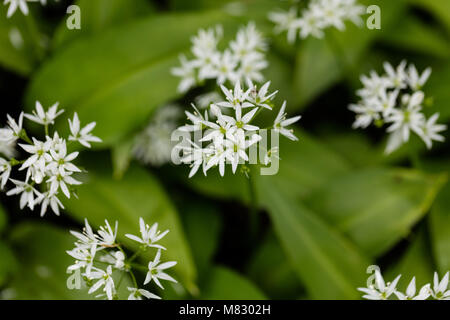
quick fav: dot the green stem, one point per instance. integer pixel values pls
(415, 159)
(339, 53)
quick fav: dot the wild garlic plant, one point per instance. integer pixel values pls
(102, 261)
(396, 99)
(48, 169)
(385, 291)
(316, 16)
(21, 5)
(153, 146)
(230, 132)
(243, 60)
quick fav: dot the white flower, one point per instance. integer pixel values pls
(380, 291)
(87, 238)
(29, 195)
(106, 235)
(137, 294)
(117, 259)
(260, 97)
(236, 98)
(424, 292)
(84, 135)
(286, 21)
(5, 171)
(38, 161)
(42, 117)
(225, 66)
(195, 156)
(373, 85)
(16, 4)
(155, 270)
(187, 73)
(16, 127)
(53, 201)
(61, 161)
(405, 121)
(397, 77)
(236, 145)
(281, 123)
(430, 131)
(149, 235)
(84, 258)
(60, 181)
(105, 280)
(310, 24)
(365, 115)
(198, 121)
(416, 81)
(440, 289)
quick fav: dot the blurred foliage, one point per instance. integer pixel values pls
(337, 205)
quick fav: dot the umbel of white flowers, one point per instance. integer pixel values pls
(21, 5)
(383, 291)
(396, 99)
(226, 138)
(48, 167)
(154, 145)
(101, 260)
(242, 60)
(317, 16)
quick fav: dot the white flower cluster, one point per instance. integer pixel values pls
(243, 60)
(382, 291)
(396, 99)
(154, 144)
(20, 4)
(316, 17)
(48, 168)
(98, 256)
(227, 138)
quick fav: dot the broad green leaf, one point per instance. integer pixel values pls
(440, 229)
(413, 35)
(99, 15)
(120, 89)
(376, 207)
(329, 265)
(42, 263)
(225, 284)
(415, 262)
(8, 263)
(203, 226)
(137, 195)
(270, 269)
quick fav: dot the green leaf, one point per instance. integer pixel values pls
(270, 269)
(413, 35)
(376, 207)
(119, 90)
(329, 265)
(203, 226)
(225, 284)
(42, 263)
(99, 15)
(440, 229)
(137, 195)
(8, 263)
